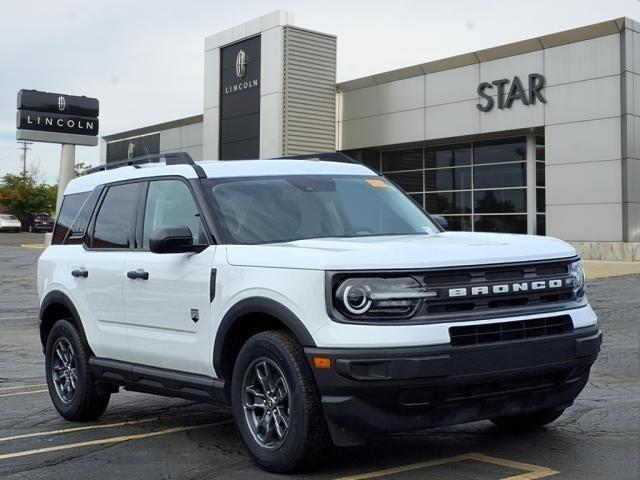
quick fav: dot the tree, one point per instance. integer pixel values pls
(23, 195)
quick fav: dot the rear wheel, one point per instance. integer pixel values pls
(528, 421)
(71, 384)
(276, 404)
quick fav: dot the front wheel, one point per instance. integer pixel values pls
(276, 404)
(71, 384)
(528, 421)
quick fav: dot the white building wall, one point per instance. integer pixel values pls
(581, 120)
(183, 139)
(584, 194)
(631, 133)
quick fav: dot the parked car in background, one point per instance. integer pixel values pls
(38, 222)
(9, 223)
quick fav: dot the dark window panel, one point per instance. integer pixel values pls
(498, 151)
(448, 179)
(500, 201)
(459, 224)
(419, 198)
(540, 174)
(402, 160)
(448, 156)
(366, 156)
(408, 181)
(149, 144)
(500, 176)
(540, 149)
(501, 223)
(541, 224)
(540, 200)
(448, 202)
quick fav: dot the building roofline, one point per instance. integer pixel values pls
(138, 132)
(516, 48)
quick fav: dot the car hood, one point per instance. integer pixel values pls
(400, 252)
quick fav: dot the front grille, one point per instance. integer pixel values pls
(471, 280)
(509, 331)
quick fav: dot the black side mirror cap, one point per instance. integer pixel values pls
(173, 240)
(440, 220)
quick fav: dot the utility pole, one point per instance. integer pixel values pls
(23, 156)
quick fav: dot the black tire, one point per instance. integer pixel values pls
(528, 421)
(306, 441)
(85, 403)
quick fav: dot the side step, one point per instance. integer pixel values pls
(159, 381)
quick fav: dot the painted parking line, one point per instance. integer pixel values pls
(111, 440)
(22, 393)
(78, 429)
(2, 389)
(19, 318)
(531, 472)
(40, 246)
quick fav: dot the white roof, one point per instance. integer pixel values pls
(218, 169)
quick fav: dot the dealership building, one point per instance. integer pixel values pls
(540, 136)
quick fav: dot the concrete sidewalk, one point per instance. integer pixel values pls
(605, 269)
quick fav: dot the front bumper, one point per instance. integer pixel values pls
(374, 391)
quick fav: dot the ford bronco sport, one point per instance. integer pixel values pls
(314, 297)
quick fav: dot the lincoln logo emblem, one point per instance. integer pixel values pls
(131, 150)
(61, 104)
(241, 64)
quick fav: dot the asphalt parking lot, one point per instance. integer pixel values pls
(146, 437)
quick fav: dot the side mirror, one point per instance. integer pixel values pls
(173, 240)
(440, 220)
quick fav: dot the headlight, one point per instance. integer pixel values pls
(380, 297)
(579, 279)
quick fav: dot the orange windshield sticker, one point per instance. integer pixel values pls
(377, 183)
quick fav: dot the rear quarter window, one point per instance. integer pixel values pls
(70, 207)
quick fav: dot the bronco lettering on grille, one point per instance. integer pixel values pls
(502, 288)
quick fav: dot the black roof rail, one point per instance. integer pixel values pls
(171, 158)
(326, 156)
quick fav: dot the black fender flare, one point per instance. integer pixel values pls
(57, 297)
(258, 305)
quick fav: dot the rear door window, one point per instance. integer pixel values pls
(114, 225)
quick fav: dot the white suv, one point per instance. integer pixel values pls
(313, 296)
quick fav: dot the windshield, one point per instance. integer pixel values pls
(279, 209)
(8, 217)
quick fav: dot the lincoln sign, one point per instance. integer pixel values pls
(57, 118)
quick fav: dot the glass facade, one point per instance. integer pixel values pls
(477, 186)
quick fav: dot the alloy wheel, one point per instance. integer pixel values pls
(64, 370)
(267, 403)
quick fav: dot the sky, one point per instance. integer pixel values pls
(144, 59)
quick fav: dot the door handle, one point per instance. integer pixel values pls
(81, 272)
(138, 274)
